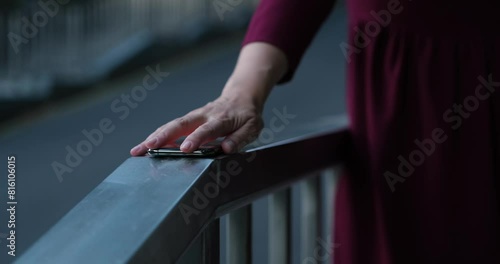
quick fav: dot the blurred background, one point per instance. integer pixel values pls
(54, 47)
(72, 96)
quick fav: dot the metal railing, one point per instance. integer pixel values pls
(74, 43)
(269, 204)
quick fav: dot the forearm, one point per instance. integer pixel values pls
(260, 66)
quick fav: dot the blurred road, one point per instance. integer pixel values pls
(44, 137)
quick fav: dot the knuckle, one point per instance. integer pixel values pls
(182, 121)
(162, 134)
(222, 115)
(218, 120)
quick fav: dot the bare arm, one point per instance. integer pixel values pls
(236, 113)
(260, 66)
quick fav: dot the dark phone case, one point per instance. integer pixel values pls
(204, 151)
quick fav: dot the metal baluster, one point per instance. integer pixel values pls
(271, 229)
(236, 236)
(325, 248)
(279, 220)
(305, 219)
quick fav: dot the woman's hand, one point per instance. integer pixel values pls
(236, 114)
(234, 117)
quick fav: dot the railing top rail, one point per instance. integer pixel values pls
(151, 210)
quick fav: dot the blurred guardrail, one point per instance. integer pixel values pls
(74, 42)
(208, 210)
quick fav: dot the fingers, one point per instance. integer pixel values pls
(168, 133)
(138, 150)
(208, 131)
(206, 124)
(173, 130)
(241, 137)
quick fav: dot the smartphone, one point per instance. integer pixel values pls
(207, 150)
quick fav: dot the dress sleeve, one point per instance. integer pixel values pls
(289, 25)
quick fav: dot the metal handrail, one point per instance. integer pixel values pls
(152, 210)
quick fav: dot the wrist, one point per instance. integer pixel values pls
(246, 93)
(243, 100)
(259, 68)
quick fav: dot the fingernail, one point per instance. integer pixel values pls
(152, 142)
(135, 149)
(186, 145)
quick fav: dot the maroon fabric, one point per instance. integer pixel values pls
(423, 183)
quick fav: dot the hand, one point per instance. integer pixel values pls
(236, 114)
(235, 117)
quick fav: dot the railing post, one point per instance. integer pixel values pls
(237, 236)
(305, 219)
(279, 224)
(271, 221)
(325, 248)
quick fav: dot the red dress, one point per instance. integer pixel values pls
(423, 183)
